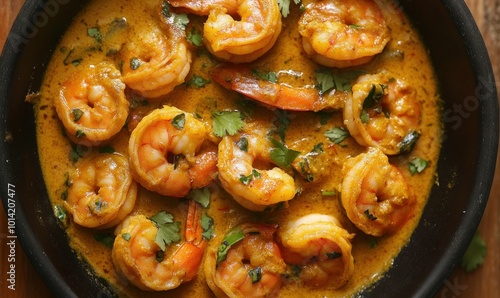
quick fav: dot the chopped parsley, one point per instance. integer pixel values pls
(207, 223)
(126, 236)
(105, 238)
(61, 214)
(417, 165)
(80, 133)
(195, 37)
(267, 76)
(284, 6)
(282, 122)
(281, 155)
(95, 33)
(227, 122)
(168, 230)
(179, 121)
(247, 179)
(135, 63)
(408, 142)
(242, 144)
(232, 237)
(76, 153)
(327, 80)
(77, 114)
(198, 82)
(369, 215)
(337, 134)
(255, 274)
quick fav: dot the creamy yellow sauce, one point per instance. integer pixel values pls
(405, 56)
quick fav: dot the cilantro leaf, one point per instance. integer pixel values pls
(227, 122)
(474, 256)
(267, 76)
(195, 37)
(179, 121)
(417, 165)
(337, 134)
(95, 33)
(200, 195)
(168, 230)
(328, 80)
(198, 81)
(281, 155)
(232, 237)
(207, 223)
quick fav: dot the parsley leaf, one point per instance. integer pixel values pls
(168, 230)
(337, 134)
(284, 6)
(179, 121)
(200, 195)
(105, 238)
(328, 80)
(281, 155)
(77, 114)
(247, 179)
(267, 76)
(417, 165)
(227, 122)
(95, 33)
(474, 256)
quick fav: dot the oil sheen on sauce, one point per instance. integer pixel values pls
(405, 56)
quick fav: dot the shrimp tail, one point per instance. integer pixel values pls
(242, 79)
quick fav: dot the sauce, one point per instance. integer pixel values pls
(405, 57)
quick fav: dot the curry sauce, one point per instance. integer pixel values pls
(99, 33)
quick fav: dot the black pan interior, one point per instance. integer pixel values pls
(465, 171)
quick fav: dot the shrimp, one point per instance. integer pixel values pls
(320, 247)
(383, 112)
(158, 60)
(343, 33)
(237, 31)
(137, 256)
(170, 131)
(242, 80)
(247, 263)
(375, 195)
(92, 104)
(102, 191)
(252, 188)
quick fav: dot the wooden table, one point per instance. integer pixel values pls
(481, 283)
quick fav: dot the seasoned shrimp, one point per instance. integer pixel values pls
(343, 33)
(164, 132)
(241, 79)
(252, 188)
(383, 112)
(92, 104)
(237, 31)
(137, 256)
(247, 263)
(157, 60)
(375, 194)
(320, 247)
(102, 191)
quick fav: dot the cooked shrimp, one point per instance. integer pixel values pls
(375, 194)
(247, 263)
(241, 79)
(137, 256)
(102, 191)
(92, 104)
(382, 112)
(343, 33)
(237, 31)
(158, 60)
(163, 151)
(320, 247)
(254, 189)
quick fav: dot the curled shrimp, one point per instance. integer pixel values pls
(343, 33)
(247, 263)
(319, 246)
(92, 104)
(157, 60)
(138, 258)
(375, 195)
(102, 191)
(241, 79)
(237, 31)
(165, 155)
(252, 188)
(383, 112)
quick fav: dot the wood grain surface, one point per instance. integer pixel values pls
(482, 282)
